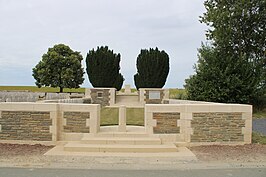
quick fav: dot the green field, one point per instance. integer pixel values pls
(36, 89)
(178, 94)
(174, 93)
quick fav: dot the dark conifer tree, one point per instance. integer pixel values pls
(152, 68)
(103, 68)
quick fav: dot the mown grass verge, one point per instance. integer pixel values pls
(258, 138)
(259, 114)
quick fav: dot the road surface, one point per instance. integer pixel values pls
(41, 172)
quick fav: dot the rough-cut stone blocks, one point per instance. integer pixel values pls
(217, 127)
(76, 122)
(100, 96)
(25, 125)
(166, 123)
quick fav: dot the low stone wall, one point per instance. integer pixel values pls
(217, 127)
(166, 123)
(74, 100)
(194, 124)
(16, 96)
(75, 122)
(25, 125)
(176, 101)
(47, 122)
(198, 124)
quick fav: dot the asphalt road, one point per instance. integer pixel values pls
(29, 172)
(259, 125)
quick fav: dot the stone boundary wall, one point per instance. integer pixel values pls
(194, 124)
(75, 122)
(25, 125)
(74, 100)
(217, 127)
(25, 96)
(176, 101)
(166, 123)
(203, 123)
(44, 122)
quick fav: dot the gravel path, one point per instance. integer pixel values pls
(259, 125)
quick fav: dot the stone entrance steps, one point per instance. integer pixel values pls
(122, 140)
(118, 142)
(119, 148)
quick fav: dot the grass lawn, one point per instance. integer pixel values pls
(42, 89)
(260, 115)
(110, 116)
(132, 90)
(135, 116)
(258, 138)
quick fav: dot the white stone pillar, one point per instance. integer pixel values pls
(122, 119)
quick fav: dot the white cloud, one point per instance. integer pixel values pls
(30, 27)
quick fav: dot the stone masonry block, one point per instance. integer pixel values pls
(217, 127)
(64, 121)
(50, 129)
(178, 123)
(76, 122)
(87, 122)
(166, 123)
(104, 100)
(26, 125)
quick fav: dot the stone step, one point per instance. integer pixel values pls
(122, 140)
(181, 144)
(79, 147)
(119, 134)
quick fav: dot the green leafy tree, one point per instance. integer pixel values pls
(237, 34)
(221, 79)
(152, 68)
(103, 68)
(59, 67)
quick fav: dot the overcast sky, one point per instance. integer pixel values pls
(29, 27)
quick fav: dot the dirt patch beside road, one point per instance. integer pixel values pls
(21, 155)
(22, 149)
(240, 153)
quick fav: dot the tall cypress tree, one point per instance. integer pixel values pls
(152, 68)
(103, 68)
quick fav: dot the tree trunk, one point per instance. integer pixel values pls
(61, 89)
